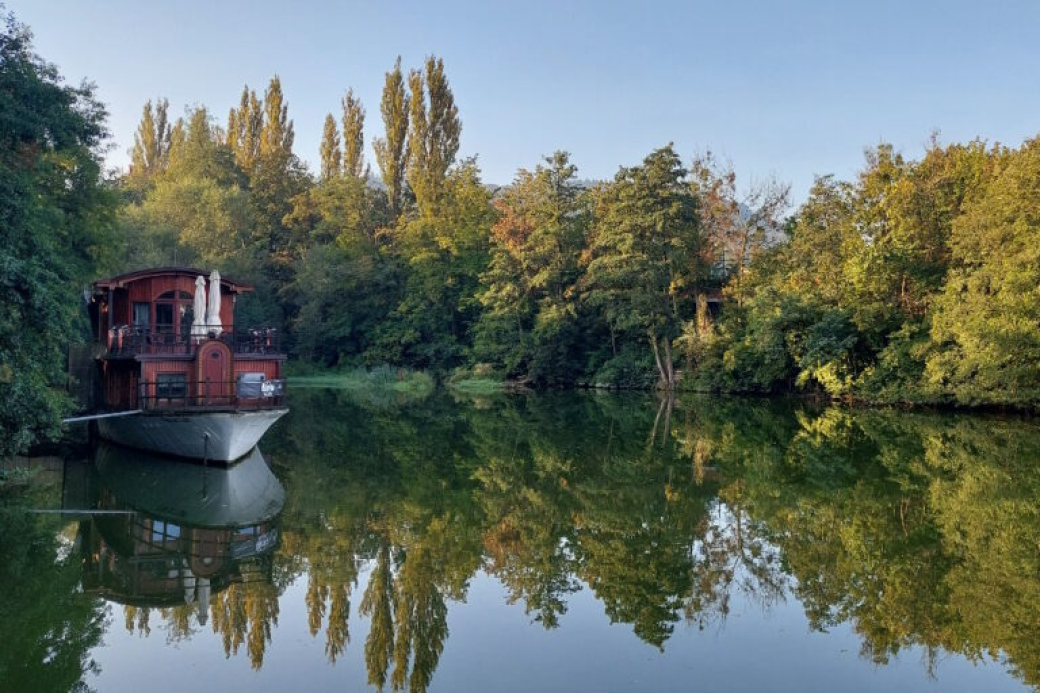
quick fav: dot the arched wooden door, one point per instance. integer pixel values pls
(214, 373)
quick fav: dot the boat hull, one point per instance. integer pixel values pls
(220, 436)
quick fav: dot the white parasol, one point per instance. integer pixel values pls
(198, 322)
(213, 325)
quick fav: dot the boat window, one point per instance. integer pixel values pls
(164, 316)
(162, 531)
(142, 314)
(171, 385)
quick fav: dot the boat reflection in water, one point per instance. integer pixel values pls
(189, 531)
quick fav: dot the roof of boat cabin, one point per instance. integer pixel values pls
(122, 280)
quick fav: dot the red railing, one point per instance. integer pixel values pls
(178, 394)
(130, 340)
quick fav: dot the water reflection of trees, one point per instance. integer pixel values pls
(543, 494)
(47, 627)
(242, 613)
(918, 530)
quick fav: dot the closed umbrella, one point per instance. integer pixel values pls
(198, 322)
(213, 311)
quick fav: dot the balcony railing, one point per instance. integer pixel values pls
(183, 395)
(131, 340)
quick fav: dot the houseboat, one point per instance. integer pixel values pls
(175, 374)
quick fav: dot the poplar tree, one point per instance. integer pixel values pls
(434, 137)
(392, 151)
(418, 127)
(276, 179)
(330, 152)
(243, 131)
(150, 154)
(276, 136)
(445, 254)
(353, 135)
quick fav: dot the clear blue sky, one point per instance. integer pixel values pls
(790, 89)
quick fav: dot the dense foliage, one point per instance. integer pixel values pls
(915, 282)
(55, 220)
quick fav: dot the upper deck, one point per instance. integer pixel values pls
(152, 312)
(129, 341)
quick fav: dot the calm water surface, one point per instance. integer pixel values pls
(565, 542)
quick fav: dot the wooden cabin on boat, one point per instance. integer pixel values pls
(151, 357)
(168, 345)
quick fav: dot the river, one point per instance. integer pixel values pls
(554, 541)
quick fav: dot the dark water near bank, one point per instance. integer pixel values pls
(566, 542)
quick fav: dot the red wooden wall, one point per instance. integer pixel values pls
(147, 290)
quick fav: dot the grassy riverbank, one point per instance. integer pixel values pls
(478, 386)
(481, 379)
(379, 379)
(388, 379)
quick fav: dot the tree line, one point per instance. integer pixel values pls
(914, 282)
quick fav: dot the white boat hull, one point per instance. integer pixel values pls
(221, 436)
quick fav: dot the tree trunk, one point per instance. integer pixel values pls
(669, 401)
(657, 421)
(664, 367)
(744, 243)
(668, 365)
(657, 359)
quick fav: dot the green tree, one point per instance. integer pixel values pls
(392, 150)
(529, 324)
(331, 156)
(644, 255)
(343, 285)
(202, 200)
(444, 255)
(985, 320)
(278, 178)
(260, 134)
(56, 232)
(345, 291)
(277, 134)
(433, 140)
(848, 303)
(150, 154)
(243, 129)
(353, 135)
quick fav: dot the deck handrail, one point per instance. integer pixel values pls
(200, 395)
(131, 340)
